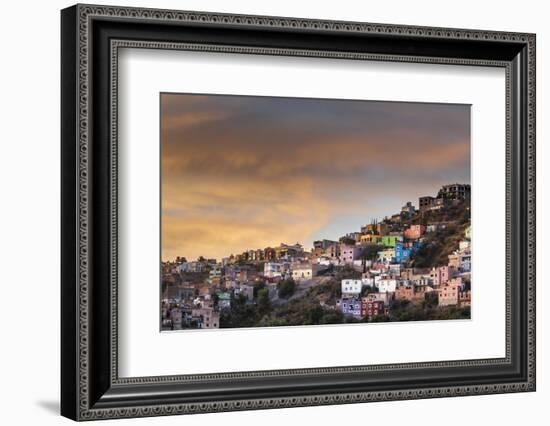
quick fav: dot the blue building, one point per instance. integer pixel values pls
(351, 307)
(402, 253)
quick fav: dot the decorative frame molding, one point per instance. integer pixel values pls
(91, 388)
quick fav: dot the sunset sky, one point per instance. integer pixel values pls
(242, 172)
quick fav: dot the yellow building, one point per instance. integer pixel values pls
(369, 239)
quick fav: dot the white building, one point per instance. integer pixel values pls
(386, 285)
(273, 269)
(352, 287)
(302, 272)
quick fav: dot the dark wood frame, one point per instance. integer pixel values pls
(90, 386)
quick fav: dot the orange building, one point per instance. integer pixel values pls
(414, 232)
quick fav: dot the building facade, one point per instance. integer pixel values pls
(371, 308)
(273, 269)
(349, 253)
(455, 191)
(351, 307)
(440, 275)
(414, 232)
(351, 287)
(302, 272)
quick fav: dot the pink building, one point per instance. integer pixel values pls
(349, 253)
(414, 232)
(449, 295)
(440, 275)
(457, 281)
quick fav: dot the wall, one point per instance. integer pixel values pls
(29, 225)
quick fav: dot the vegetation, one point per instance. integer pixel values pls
(440, 244)
(371, 251)
(259, 286)
(330, 289)
(286, 288)
(404, 310)
(264, 305)
(347, 240)
(241, 314)
(347, 272)
(302, 311)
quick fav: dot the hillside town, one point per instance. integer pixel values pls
(412, 265)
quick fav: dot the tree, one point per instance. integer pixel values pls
(431, 300)
(379, 318)
(347, 240)
(261, 285)
(314, 314)
(241, 314)
(286, 288)
(332, 317)
(263, 301)
(371, 251)
(347, 272)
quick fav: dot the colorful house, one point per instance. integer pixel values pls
(387, 255)
(390, 240)
(351, 307)
(441, 274)
(350, 253)
(448, 294)
(414, 232)
(369, 239)
(402, 254)
(371, 308)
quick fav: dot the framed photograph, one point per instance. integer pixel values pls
(265, 212)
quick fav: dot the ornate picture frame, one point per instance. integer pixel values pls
(91, 37)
